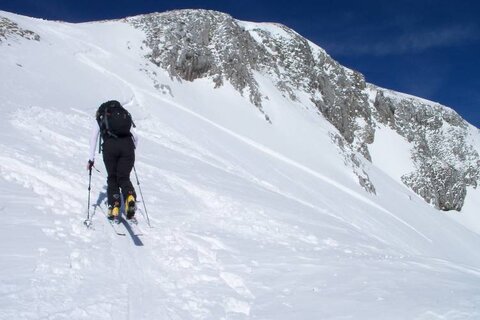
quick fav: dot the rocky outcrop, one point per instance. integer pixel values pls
(445, 162)
(351, 159)
(192, 44)
(10, 29)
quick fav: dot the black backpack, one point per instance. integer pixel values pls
(114, 120)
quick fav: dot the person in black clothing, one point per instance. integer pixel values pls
(113, 125)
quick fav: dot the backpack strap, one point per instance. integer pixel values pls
(107, 127)
(99, 123)
(100, 143)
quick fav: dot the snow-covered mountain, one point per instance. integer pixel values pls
(279, 184)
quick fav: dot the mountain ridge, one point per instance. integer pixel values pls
(339, 93)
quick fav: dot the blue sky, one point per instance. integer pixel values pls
(426, 48)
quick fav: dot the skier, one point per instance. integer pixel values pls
(113, 125)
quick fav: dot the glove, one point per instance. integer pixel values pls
(90, 165)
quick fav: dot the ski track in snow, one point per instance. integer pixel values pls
(126, 270)
(180, 251)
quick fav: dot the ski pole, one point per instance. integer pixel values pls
(143, 199)
(88, 222)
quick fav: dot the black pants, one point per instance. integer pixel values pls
(119, 158)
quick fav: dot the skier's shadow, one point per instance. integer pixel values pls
(102, 198)
(136, 239)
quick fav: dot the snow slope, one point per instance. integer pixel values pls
(250, 220)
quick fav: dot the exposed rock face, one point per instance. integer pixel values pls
(192, 44)
(8, 28)
(445, 163)
(351, 159)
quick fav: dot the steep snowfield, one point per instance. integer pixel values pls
(250, 220)
(469, 217)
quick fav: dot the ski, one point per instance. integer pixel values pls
(115, 223)
(133, 223)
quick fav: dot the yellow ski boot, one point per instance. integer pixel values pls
(114, 211)
(130, 206)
